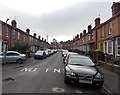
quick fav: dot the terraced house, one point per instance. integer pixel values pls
(11, 35)
(108, 33)
(103, 37)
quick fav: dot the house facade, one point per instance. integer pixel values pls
(104, 36)
(10, 35)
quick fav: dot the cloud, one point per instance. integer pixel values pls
(63, 23)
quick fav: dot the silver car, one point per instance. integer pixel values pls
(12, 56)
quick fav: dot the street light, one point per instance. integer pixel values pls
(6, 33)
(5, 43)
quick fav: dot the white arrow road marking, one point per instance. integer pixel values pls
(29, 69)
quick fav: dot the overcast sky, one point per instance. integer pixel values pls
(59, 19)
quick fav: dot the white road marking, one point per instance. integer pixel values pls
(57, 70)
(29, 69)
(56, 89)
(46, 70)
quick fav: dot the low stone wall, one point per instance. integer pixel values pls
(110, 66)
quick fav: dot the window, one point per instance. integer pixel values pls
(89, 37)
(108, 47)
(24, 37)
(6, 31)
(118, 46)
(14, 33)
(110, 28)
(105, 51)
(12, 54)
(18, 35)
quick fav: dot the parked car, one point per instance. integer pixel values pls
(64, 52)
(81, 69)
(40, 54)
(12, 56)
(67, 55)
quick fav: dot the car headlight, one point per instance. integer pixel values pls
(70, 73)
(99, 75)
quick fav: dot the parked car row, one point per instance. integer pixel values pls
(81, 69)
(42, 54)
(12, 56)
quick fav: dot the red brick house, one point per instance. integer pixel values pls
(10, 35)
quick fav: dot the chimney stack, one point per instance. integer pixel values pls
(84, 32)
(27, 31)
(97, 21)
(77, 36)
(89, 28)
(115, 8)
(14, 23)
(35, 35)
(39, 37)
(80, 35)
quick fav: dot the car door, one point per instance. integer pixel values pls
(12, 57)
(8, 57)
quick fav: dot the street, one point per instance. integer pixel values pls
(40, 76)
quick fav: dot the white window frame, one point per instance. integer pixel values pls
(117, 46)
(108, 47)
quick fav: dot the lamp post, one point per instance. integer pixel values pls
(6, 35)
(5, 42)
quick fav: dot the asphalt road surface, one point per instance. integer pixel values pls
(40, 76)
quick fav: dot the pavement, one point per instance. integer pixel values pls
(111, 81)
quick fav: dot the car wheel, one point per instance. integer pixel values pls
(20, 61)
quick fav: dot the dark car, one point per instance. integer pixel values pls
(81, 69)
(40, 55)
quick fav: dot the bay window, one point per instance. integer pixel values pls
(118, 46)
(108, 47)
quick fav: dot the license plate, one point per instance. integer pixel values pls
(85, 81)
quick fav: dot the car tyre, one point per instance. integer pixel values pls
(20, 61)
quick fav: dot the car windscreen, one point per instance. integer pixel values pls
(84, 61)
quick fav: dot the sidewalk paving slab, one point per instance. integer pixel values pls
(111, 81)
